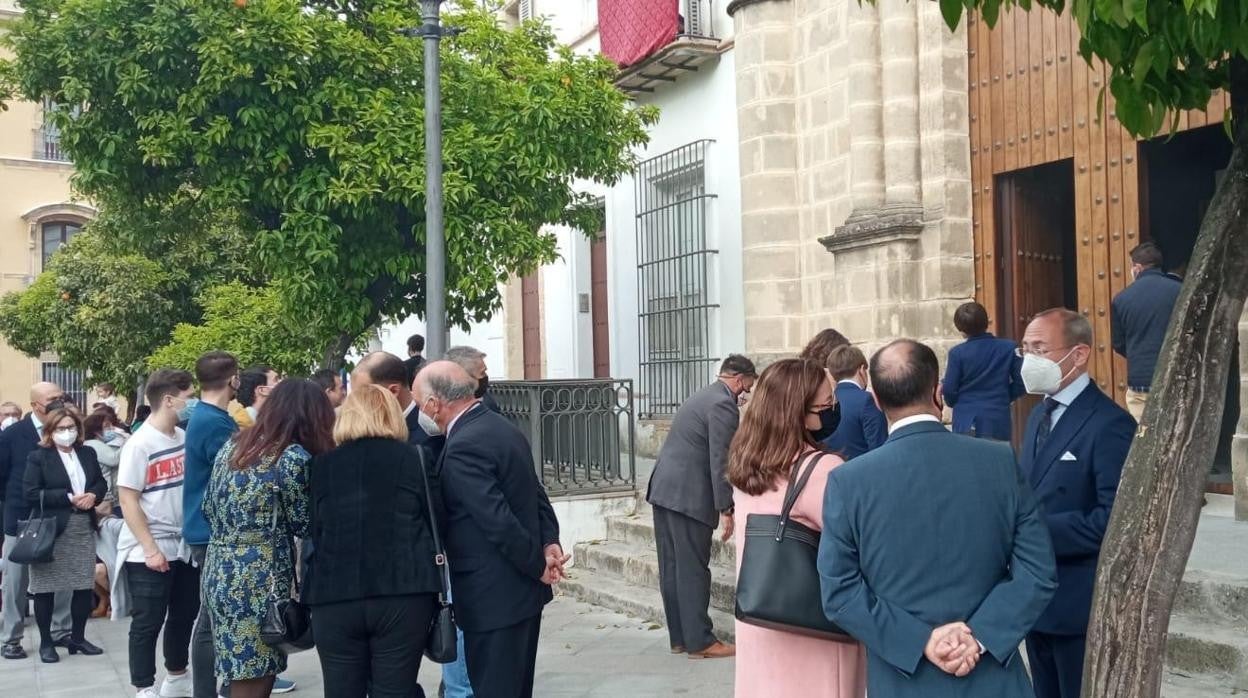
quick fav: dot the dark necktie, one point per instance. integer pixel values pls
(1046, 423)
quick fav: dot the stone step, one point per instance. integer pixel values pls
(1222, 598)
(1180, 686)
(1215, 652)
(640, 566)
(638, 530)
(609, 591)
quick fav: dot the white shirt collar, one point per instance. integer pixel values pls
(851, 381)
(1068, 394)
(411, 405)
(451, 426)
(35, 420)
(912, 419)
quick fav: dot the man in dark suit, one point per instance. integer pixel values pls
(862, 425)
(16, 443)
(387, 370)
(415, 356)
(981, 377)
(472, 360)
(933, 552)
(502, 537)
(1072, 454)
(690, 495)
(1139, 316)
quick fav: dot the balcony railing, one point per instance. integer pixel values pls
(48, 146)
(694, 44)
(580, 431)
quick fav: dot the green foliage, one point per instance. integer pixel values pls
(113, 295)
(1164, 56)
(248, 322)
(309, 117)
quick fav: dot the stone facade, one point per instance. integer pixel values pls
(855, 172)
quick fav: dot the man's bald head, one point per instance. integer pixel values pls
(443, 390)
(42, 394)
(904, 374)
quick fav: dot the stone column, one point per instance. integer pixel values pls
(770, 231)
(900, 84)
(866, 114)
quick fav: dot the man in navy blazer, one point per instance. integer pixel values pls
(862, 426)
(1072, 454)
(933, 553)
(501, 536)
(982, 377)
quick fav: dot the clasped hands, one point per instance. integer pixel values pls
(953, 649)
(84, 501)
(555, 560)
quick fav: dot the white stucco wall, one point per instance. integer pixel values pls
(486, 336)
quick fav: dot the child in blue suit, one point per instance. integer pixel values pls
(982, 377)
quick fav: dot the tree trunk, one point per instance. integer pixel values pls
(335, 354)
(1158, 506)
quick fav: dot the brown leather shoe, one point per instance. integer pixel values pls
(717, 650)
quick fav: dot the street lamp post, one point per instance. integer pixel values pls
(435, 233)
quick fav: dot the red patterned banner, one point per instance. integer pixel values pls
(631, 30)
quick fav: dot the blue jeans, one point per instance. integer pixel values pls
(455, 682)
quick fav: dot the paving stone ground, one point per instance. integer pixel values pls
(586, 651)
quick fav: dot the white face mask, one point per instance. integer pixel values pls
(65, 439)
(427, 423)
(1043, 376)
(8, 422)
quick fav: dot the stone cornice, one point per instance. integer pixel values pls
(872, 227)
(739, 4)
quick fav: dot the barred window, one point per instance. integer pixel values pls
(674, 278)
(72, 381)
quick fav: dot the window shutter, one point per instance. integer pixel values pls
(526, 10)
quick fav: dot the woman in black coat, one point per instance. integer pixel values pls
(63, 480)
(372, 581)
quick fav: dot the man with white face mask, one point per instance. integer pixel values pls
(1072, 453)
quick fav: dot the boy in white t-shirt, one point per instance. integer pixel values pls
(162, 582)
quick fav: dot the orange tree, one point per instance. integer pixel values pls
(1164, 56)
(308, 117)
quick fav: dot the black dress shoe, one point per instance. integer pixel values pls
(48, 654)
(62, 641)
(12, 650)
(83, 647)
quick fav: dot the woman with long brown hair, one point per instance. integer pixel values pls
(776, 433)
(260, 481)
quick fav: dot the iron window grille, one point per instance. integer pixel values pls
(73, 382)
(676, 304)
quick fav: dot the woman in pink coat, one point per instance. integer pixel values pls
(775, 433)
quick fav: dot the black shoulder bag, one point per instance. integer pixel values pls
(778, 585)
(287, 623)
(35, 538)
(440, 645)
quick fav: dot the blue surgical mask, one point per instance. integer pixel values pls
(184, 414)
(109, 436)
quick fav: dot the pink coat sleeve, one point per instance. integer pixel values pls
(809, 506)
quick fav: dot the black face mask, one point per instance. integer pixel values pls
(829, 420)
(54, 406)
(482, 386)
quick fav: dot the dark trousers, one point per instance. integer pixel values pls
(1056, 663)
(684, 547)
(501, 662)
(373, 646)
(168, 600)
(203, 656)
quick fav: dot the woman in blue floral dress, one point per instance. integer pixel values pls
(263, 467)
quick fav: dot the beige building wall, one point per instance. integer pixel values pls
(855, 171)
(33, 191)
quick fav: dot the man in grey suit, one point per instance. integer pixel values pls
(690, 495)
(933, 553)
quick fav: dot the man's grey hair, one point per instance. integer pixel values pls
(447, 388)
(466, 357)
(1075, 327)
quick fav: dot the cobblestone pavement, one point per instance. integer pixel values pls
(585, 651)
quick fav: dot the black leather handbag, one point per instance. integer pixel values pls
(778, 585)
(287, 622)
(35, 538)
(440, 646)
